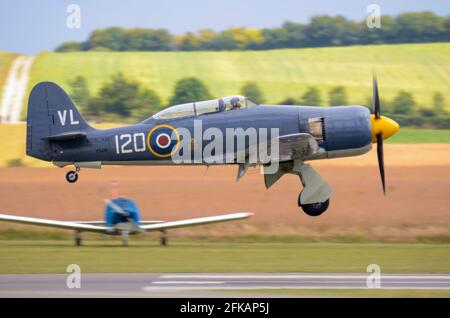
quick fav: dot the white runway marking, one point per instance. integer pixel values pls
(307, 276)
(274, 287)
(15, 89)
(188, 282)
(294, 281)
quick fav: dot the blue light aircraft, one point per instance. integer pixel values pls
(122, 218)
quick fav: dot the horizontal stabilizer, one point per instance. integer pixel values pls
(67, 136)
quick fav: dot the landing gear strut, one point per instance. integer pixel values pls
(125, 238)
(163, 238)
(72, 176)
(78, 241)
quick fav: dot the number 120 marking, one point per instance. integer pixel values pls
(123, 143)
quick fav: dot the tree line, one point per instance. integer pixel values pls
(320, 31)
(121, 99)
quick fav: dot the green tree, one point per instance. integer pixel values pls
(337, 96)
(69, 47)
(188, 90)
(205, 38)
(79, 91)
(321, 30)
(252, 91)
(403, 103)
(419, 27)
(148, 102)
(311, 97)
(289, 101)
(110, 38)
(120, 96)
(188, 42)
(438, 103)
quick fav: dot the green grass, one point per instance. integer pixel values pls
(420, 136)
(418, 68)
(182, 255)
(404, 293)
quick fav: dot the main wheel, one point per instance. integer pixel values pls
(72, 176)
(314, 209)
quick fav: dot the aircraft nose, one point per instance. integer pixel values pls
(384, 125)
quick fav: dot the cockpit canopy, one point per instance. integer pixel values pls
(205, 107)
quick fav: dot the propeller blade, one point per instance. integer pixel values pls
(380, 155)
(376, 99)
(116, 208)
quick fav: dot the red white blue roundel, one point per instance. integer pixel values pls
(163, 140)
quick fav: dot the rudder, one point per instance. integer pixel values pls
(51, 113)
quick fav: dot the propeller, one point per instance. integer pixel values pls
(117, 209)
(382, 128)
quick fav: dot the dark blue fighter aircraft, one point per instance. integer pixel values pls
(57, 132)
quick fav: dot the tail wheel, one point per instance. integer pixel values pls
(314, 209)
(72, 176)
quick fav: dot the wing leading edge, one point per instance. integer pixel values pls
(196, 221)
(53, 223)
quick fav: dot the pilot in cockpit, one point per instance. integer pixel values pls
(235, 103)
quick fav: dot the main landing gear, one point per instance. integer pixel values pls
(72, 176)
(315, 197)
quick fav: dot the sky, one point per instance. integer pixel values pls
(29, 27)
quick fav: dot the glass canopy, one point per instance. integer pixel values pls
(229, 103)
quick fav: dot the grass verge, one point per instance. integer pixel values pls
(107, 255)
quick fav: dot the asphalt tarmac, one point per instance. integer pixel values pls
(200, 285)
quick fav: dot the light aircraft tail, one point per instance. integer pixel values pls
(52, 117)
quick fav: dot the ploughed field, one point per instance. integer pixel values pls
(416, 207)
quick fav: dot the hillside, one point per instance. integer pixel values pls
(418, 68)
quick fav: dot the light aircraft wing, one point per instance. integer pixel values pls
(102, 223)
(194, 222)
(54, 223)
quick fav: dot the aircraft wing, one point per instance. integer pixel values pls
(53, 223)
(290, 147)
(194, 222)
(102, 223)
(296, 146)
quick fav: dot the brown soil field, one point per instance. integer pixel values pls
(417, 204)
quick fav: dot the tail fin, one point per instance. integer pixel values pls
(51, 116)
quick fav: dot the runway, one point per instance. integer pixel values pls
(201, 285)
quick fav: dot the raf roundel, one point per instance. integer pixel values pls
(163, 141)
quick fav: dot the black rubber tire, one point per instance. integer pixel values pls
(314, 209)
(72, 176)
